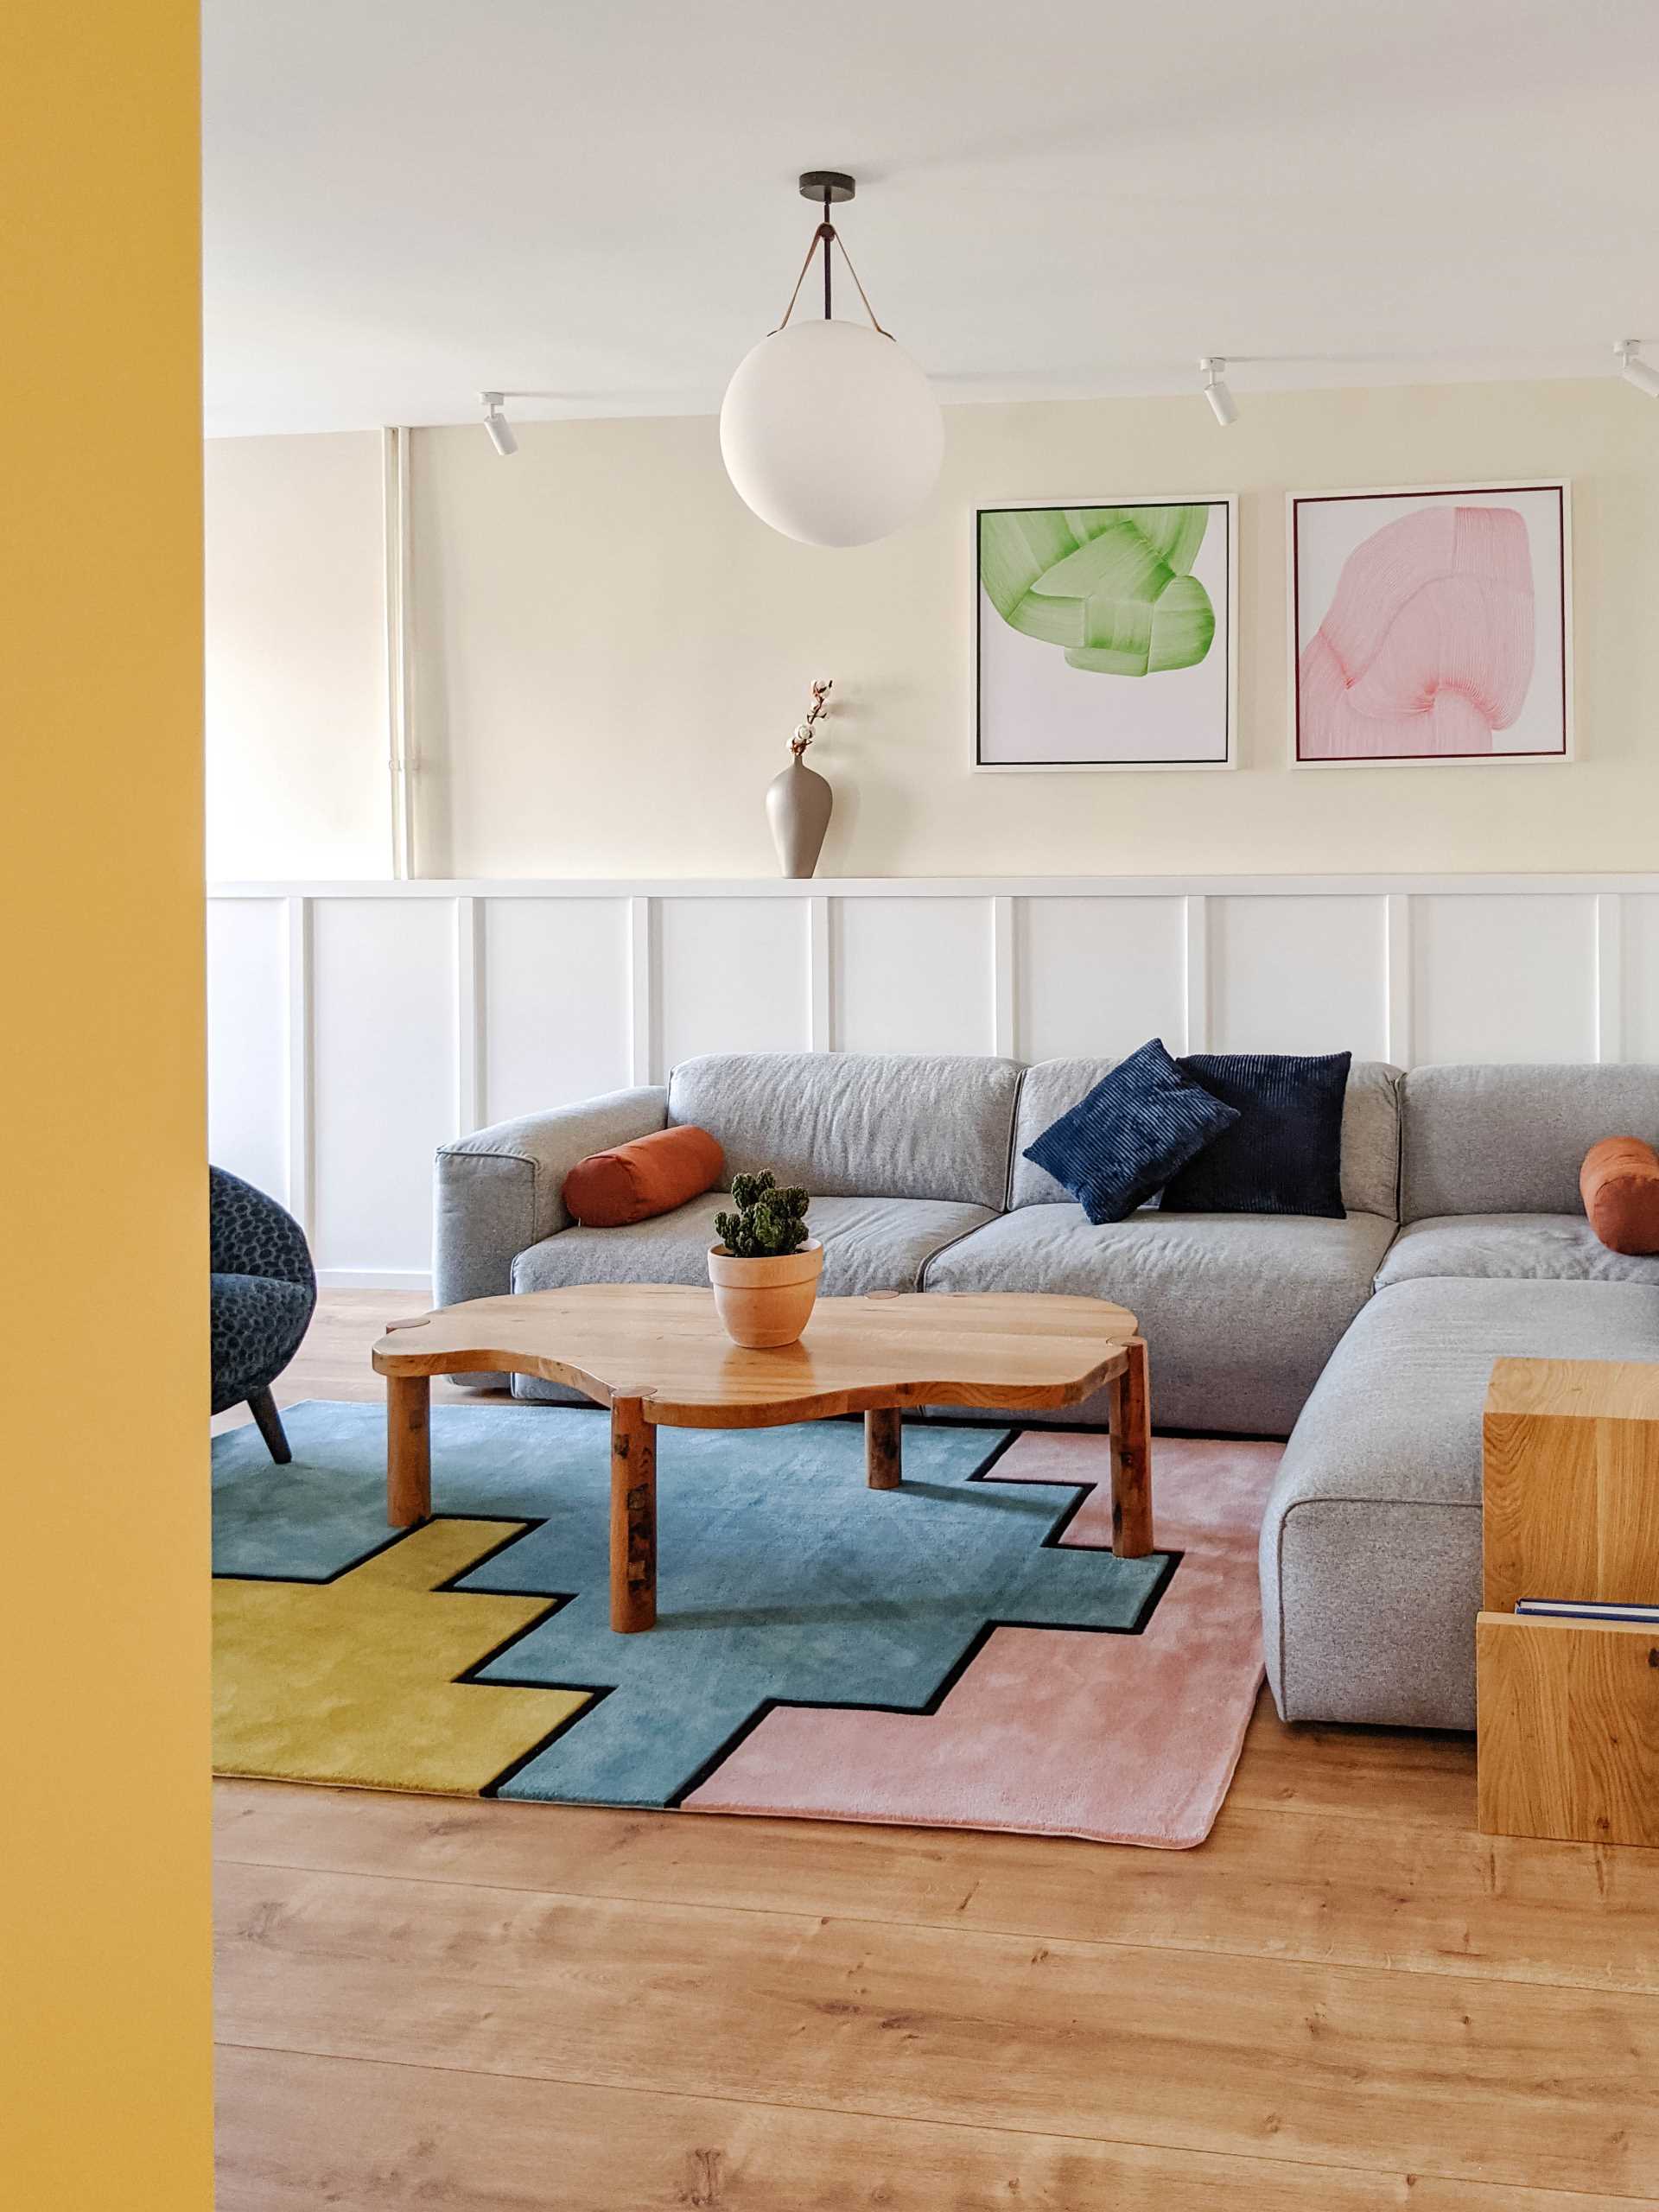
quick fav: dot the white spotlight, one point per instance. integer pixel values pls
(1222, 406)
(500, 430)
(1641, 373)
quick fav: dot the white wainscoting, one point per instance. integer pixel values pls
(353, 1026)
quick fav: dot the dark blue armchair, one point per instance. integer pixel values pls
(265, 1289)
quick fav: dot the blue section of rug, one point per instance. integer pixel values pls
(782, 1577)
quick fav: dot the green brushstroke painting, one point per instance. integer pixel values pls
(1113, 586)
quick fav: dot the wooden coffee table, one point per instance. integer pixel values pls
(657, 1357)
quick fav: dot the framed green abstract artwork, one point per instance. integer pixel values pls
(1104, 635)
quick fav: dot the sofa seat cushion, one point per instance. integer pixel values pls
(1516, 1247)
(1239, 1311)
(1370, 1549)
(869, 1244)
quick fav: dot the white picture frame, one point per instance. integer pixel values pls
(1223, 551)
(1309, 588)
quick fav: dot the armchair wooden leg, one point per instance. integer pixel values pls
(263, 1407)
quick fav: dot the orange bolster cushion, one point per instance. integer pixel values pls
(1619, 1183)
(652, 1175)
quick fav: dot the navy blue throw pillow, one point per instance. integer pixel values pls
(1283, 1152)
(1129, 1135)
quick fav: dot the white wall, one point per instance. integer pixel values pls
(296, 718)
(611, 651)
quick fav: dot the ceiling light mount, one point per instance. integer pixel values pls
(829, 188)
(1212, 367)
(1634, 370)
(832, 186)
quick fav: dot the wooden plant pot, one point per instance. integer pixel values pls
(765, 1303)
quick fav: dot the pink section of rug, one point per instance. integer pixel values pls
(1121, 1738)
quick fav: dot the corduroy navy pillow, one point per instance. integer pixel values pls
(1283, 1152)
(1130, 1135)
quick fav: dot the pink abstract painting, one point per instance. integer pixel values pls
(1428, 646)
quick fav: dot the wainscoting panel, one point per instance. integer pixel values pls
(556, 993)
(732, 975)
(1098, 976)
(386, 1056)
(354, 1027)
(1637, 952)
(247, 1041)
(1504, 978)
(913, 975)
(1299, 976)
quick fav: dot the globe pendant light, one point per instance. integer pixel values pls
(829, 430)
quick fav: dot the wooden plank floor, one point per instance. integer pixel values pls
(1347, 2000)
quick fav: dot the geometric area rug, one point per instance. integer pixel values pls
(964, 1651)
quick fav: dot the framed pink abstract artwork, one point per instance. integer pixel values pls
(1431, 626)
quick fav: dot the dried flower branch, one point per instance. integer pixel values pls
(803, 736)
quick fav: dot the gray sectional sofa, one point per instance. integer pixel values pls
(1368, 1341)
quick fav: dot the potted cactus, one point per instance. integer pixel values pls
(765, 1268)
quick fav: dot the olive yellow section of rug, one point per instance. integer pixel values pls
(353, 1680)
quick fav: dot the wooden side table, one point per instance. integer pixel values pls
(1569, 1710)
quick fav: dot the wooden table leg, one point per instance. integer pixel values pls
(409, 1450)
(633, 1517)
(1131, 1419)
(884, 1450)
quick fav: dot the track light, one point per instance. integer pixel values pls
(1222, 406)
(1641, 373)
(500, 430)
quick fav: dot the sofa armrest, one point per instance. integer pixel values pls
(500, 1191)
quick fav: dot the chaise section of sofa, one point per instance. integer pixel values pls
(1370, 1549)
(1370, 1552)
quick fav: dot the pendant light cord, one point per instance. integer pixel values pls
(828, 236)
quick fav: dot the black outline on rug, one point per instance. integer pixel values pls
(595, 1693)
(984, 1472)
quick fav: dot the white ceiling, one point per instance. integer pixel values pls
(405, 203)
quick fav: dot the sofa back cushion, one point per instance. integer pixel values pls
(873, 1125)
(1512, 1140)
(1370, 1131)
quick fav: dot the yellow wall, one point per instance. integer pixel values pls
(103, 1956)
